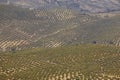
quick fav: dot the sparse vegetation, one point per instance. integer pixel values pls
(87, 45)
(81, 62)
(24, 28)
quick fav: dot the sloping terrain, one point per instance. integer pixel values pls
(87, 44)
(22, 28)
(83, 62)
(82, 5)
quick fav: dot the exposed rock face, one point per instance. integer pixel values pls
(82, 5)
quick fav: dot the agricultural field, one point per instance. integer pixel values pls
(59, 42)
(80, 62)
(22, 28)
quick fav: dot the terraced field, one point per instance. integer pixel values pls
(82, 62)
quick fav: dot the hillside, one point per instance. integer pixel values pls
(10, 12)
(22, 28)
(83, 62)
(59, 40)
(94, 6)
